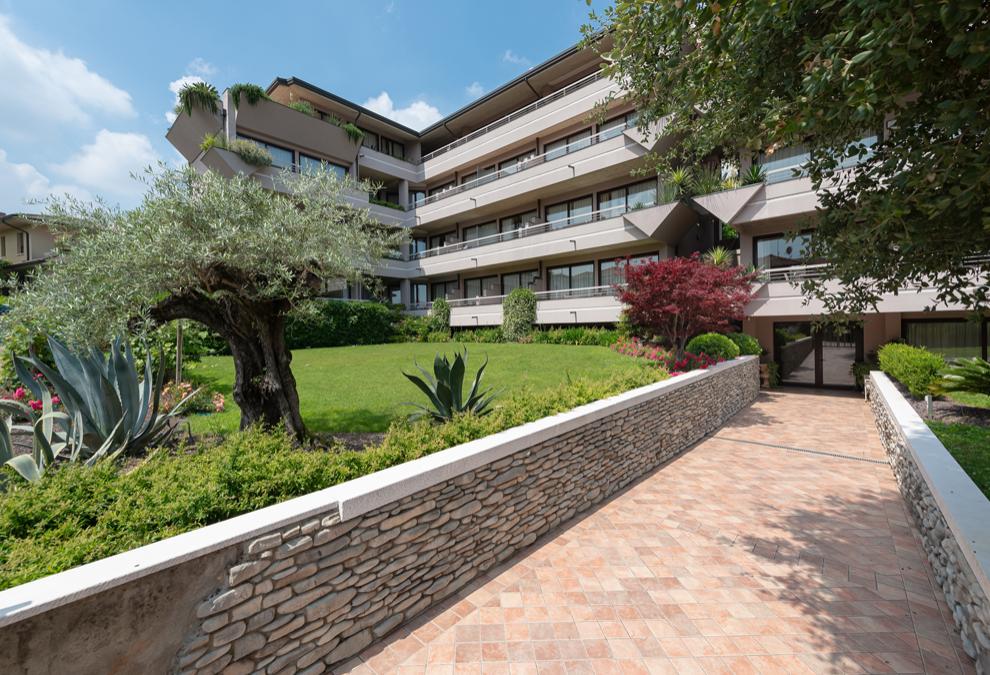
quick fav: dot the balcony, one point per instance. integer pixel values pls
(778, 292)
(609, 154)
(597, 230)
(573, 101)
(187, 131)
(596, 304)
(282, 124)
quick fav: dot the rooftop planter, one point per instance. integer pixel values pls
(274, 120)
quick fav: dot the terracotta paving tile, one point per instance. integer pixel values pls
(735, 557)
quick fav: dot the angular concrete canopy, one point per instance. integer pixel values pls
(225, 162)
(727, 204)
(654, 139)
(187, 131)
(666, 223)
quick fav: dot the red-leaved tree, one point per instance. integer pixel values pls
(678, 298)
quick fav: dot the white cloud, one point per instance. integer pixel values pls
(46, 86)
(417, 115)
(175, 86)
(474, 90)
(104, 166)
(22, 182)
(511, 57)
(201, 66)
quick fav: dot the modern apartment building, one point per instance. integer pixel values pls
(527, 187)
(25, 241)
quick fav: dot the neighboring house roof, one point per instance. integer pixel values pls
(19, 220)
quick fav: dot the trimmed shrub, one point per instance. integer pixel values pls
(440, 315)
(713, 344)
(80, 514)
(748, 345)
(334, 323)
(412, 329)
(914, 367)
(518, 314)
(485, 335)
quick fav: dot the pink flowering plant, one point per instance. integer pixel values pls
(664, 358)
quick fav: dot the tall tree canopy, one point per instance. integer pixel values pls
(227, 253)
(755, 75)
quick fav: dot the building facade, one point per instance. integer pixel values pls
(25, 241)
(530, 186)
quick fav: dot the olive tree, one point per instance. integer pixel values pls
(228, 253)
(756, 75)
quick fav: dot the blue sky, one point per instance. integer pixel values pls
(88, 85)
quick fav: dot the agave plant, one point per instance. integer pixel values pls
(445, 389)
(707, 181)
(56, 436)
(754, 174)
(966, 374)
(103, 396)
(682, 180)
(199, 95)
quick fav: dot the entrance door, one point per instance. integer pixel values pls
(817, 356)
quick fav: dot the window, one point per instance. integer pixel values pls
(417, 245)
(567, 145)
(443, 289)
(615, 126)
(482, 287)
(641, 195)
(390, 147)
(515, 164)
(613, 271)
(570, 277)
(416, 197)
(3, 246)
(20, 243)
(417, 293)
(486, 174)
(513, 223)
(393, 292)
(574, 212)
(442, 188)
(370, 139)
(308, 164)
(783, 163)
(952, 338)
(478, 231)
(438, 240)
(515, 280)
(781, 250)
(282, 158)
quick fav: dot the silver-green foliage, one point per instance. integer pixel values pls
(108, 409)
(446, 392)
(966, 374)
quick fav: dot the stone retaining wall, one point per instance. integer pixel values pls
(951, 512)
(314, 591)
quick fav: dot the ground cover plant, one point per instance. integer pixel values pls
(78, 515)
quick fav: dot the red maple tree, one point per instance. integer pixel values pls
(678, 298)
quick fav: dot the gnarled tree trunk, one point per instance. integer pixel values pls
(264, 386)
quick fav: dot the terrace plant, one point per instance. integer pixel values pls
(353, 132)
(251, 92)
(707, 180)
(227, 253)
(198, 95)
(682, 179)
(305, 107)
(446, 392)
(754, 174)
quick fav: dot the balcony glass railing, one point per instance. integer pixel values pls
(980, 266)
(556, 153)
(536, 105)
(528, 231)
(559, 294)
(790, 162)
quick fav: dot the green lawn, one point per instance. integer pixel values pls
(362, 388)
(970, 445)
(970, 398)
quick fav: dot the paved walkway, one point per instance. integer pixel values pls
(737, 557)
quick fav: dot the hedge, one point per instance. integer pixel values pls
(914, 367)
(77, 515)
(748, 345)
(336, 323)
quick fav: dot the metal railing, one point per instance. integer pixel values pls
(561, 294)
(527, 231)
(537, 160)
(979, 264)
(536, 105)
